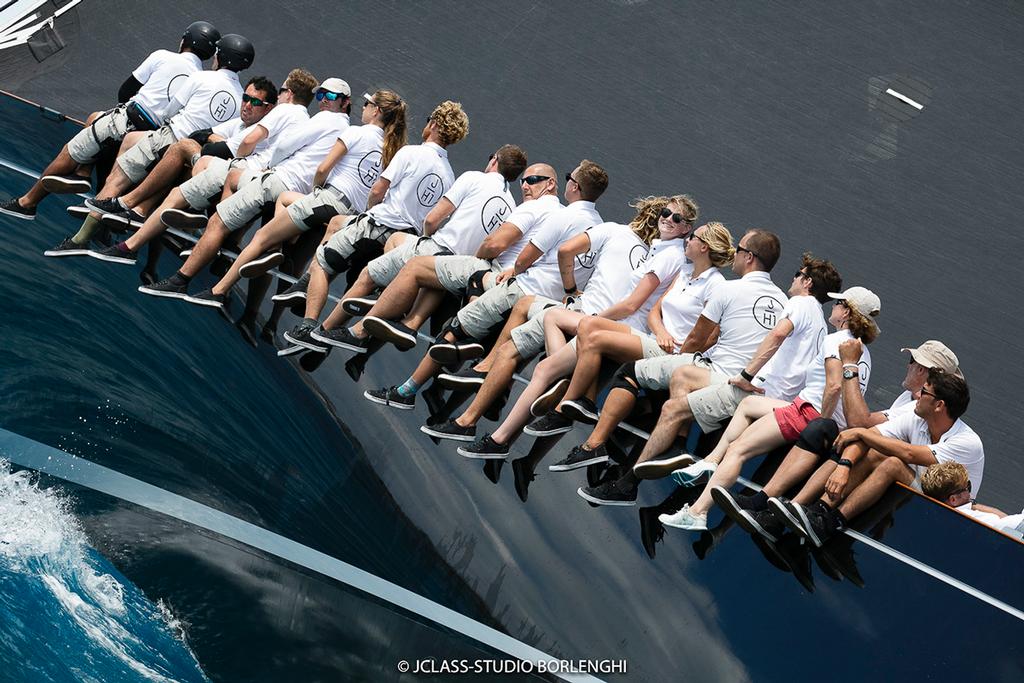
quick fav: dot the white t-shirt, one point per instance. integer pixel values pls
(543, 277)
(959, 444)
(814, 390)
(528, 216)
(904, 403)
(419, 177)
(283, 117)
(745, 311)
(686, 299)
(357, 171)
(482, 202)
(205, 99)
(161, 74)
(784, 375)
(297, 154)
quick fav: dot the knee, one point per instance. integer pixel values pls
(679, 383)
(625, 379)
(334, 225)
(894, 469)
(586, 327)
(508, 353)
(522, 306)
(818, 436)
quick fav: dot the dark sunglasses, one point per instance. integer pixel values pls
(925, 392)
(692, 235)
(327, 95)
(370, 103)
(568, 177)
(284, 89)
(254, 101)
(676, 217)
(801, 273)
(534, 179)
(491, 158)
(752, 253)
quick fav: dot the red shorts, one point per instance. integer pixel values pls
(793, 418)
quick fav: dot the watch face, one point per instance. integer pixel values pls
(849, 373)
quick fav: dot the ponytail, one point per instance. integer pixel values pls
(392, 114)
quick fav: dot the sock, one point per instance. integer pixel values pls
(410, 388)
(123, 247)
(759, 501)
(180, 278)
(89, 226)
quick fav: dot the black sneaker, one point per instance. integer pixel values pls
(390, 397)
(580, 409)
(550, 399)
(11, 207)
(65, 184)
(300, 335)
(450, 429)
(114, 254)
(262, 265)
(580, 457)
(549, 425)
(813, 522)
(390, 331)
(662, 465)
(110, 206)
(739, 509)
(166, 288)
(837, 556)
(208, 298)
(448, 353)
(297, 292)
(78, 211)
(485, 448)
(608, 493)
(68, 248)
(340, 337)
(183, 219)
(357, 305)
(122, 222)
(463, 380)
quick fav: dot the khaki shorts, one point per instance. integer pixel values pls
(384, 269)
(333, 256)
(656, 373)
(715, 404)
(204, 189)
(138, 160)
(254, 190)
(529, 337)
(109, 126)
(491, 308)
(316, 209)
(453, 272)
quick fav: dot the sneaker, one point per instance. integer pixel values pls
(463, 380)
(112, 206)
(662, 466)
(120, 222)
(810, 522)
(340, 337)
(608, 493)
(208, 298)
(685, 519)
(550, 399)
(485, 448)
(580, 409)
(68, 248)
(390, 331)
(580, 457)
(297, 292)
(11, 207)
(549, 425)
(738, 509)
(357, 305)
(447, 353)
(291, 350)
(450, 429)
(262, 265)
(390, 397)
(166, 288)
(183, 219)
(690, 475)
(78, 211)
(837, 557)
(115, 254)
(65, 184)
(300, 335)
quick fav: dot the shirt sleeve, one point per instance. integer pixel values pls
(666, 264)
(273, 121)
(599, 235)
(145, 70)
(717, 299)
(456, 194)
(399, 165)
(182, 94)
(900, 427)
(963, 448)
(295, 139)
(350, 136)
(228, 128)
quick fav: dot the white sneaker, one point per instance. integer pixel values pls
(689, 476)
(684, 519)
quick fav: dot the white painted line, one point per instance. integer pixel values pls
(904, 98)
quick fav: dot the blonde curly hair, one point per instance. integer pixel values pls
(452, 123)
(645, 223)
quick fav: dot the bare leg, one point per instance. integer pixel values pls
(316, 292)
(363, 286)
(675, 413)
(867, 493)
(278, 230)
(515, 318)
(560, 324)
(815, 486)
(206, 248)
(153, 227)
(547, 371)
(497, 381)
(399, 295)
(62, 164)
(164, 174)
(599, 338)
(749, 410)
(426, 303)
(795, 468)
(617, 407)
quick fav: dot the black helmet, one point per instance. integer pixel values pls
(201, 37)
(235, 52)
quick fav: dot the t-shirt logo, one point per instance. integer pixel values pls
(370, 167)
(766, 311)
(495, 210)
(586, 260)
(173, 85)
(222, 106)
(637, 255)
(430, 189)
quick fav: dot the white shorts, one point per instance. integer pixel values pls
(254, 190)
(333, 256)
(529, 337)
(138, 160)
(715, 404)
(109, 126)
(656, 373)
(385, 268)
(316, 209)
(492, 307)
(453, 272)
(204, 189)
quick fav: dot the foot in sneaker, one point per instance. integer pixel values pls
(183, 219)
(450, 429)
(340, 337)
(357, 305)
(580, 409)
(549, 425)
(738, 509)
(169, 288)
(208, 298)
(448, 353)
(297, 292)
(112, 206)
(685, 519)
(467, 379)
(580, 457)
(662, 466)
(484, 448)
(609, 493)
(68, 248)
(389, 396)
(118, 253)
(550, 399)
(691, 474)
(11, 207)
(404, 338)
(810, 522)
(262, 265)
(300, 335)
(65, 184)
(78, 210)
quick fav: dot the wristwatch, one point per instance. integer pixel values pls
(850, 373)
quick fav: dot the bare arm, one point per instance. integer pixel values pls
(912, 455)
(632, 303)
(254, 137)
(438, 215)
(701, 337)
(833, 385)
(329, 162)
(567, 253)
(377, 192)
(499, 240)
(769, 345)
(987, 508)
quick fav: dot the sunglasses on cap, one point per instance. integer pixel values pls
(534, 179)
(254, 101)
(676, 217)
(327, 95)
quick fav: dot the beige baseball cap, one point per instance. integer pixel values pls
(866, 301)
(935, 354)
(336, 85)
